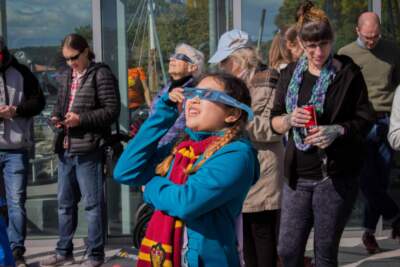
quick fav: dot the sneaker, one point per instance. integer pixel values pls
(18, 254)
(92, 263)
(396, 229)
(370, 243)
(57, 260)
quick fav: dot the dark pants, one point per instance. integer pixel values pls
(374, 179)
(78, 176)
(260, 238)
(325, 205)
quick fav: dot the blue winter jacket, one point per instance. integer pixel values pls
(211, 199)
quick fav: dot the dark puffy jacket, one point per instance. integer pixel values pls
(98, 104)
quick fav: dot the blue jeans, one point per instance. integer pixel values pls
(81, 175)
(15, 166)
(325, 205)
(374, 179)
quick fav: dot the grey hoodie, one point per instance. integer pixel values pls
(25, 93)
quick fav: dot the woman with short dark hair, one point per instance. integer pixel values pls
(322, 102)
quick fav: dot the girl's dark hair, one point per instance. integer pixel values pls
(233, 87)
(313, 24)
(77, 42)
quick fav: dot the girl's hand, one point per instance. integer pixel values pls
(299, 117)
(176, 95)
(323, 136)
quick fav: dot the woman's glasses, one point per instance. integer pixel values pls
(217, 96)
(73, 58)
(312, 46)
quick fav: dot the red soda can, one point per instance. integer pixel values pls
(313, 121)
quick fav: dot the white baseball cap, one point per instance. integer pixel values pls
(229, 43)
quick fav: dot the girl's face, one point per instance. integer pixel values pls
(78, 61)
(317, 52)
(205, 115)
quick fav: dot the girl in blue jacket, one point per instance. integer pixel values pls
(198, 186)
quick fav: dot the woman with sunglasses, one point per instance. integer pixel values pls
(185, 65)
(88, 103)
(322, 102)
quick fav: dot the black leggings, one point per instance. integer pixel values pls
(260, 238)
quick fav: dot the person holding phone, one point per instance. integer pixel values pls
(88, 103)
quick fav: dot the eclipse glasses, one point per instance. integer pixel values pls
(217, 96)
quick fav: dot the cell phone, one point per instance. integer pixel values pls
(52, 125)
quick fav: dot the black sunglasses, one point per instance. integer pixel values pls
(73, 58)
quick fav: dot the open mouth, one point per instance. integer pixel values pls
(192, 112)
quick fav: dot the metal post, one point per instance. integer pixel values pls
(377, 8)
(227, 15)
(212, 26)
(237, 14)
(122, 56)
(33, 171)
(51, 168)
(96, 28)
(260, 33)
(157, 41)
(3, 20)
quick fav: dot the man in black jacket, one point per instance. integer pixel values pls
(20, 99)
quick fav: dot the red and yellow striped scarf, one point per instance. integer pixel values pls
(162, 244)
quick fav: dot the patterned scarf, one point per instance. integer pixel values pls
(162, 244)
(318, 94)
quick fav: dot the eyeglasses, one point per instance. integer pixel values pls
(73, 58)
(313, 46)
(183, 57)
(217, 96)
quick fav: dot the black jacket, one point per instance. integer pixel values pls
(98, 104)
(346, 104)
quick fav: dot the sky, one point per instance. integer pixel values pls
(251, 17)
(44, 22)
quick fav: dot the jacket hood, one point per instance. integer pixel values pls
(8, 59)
